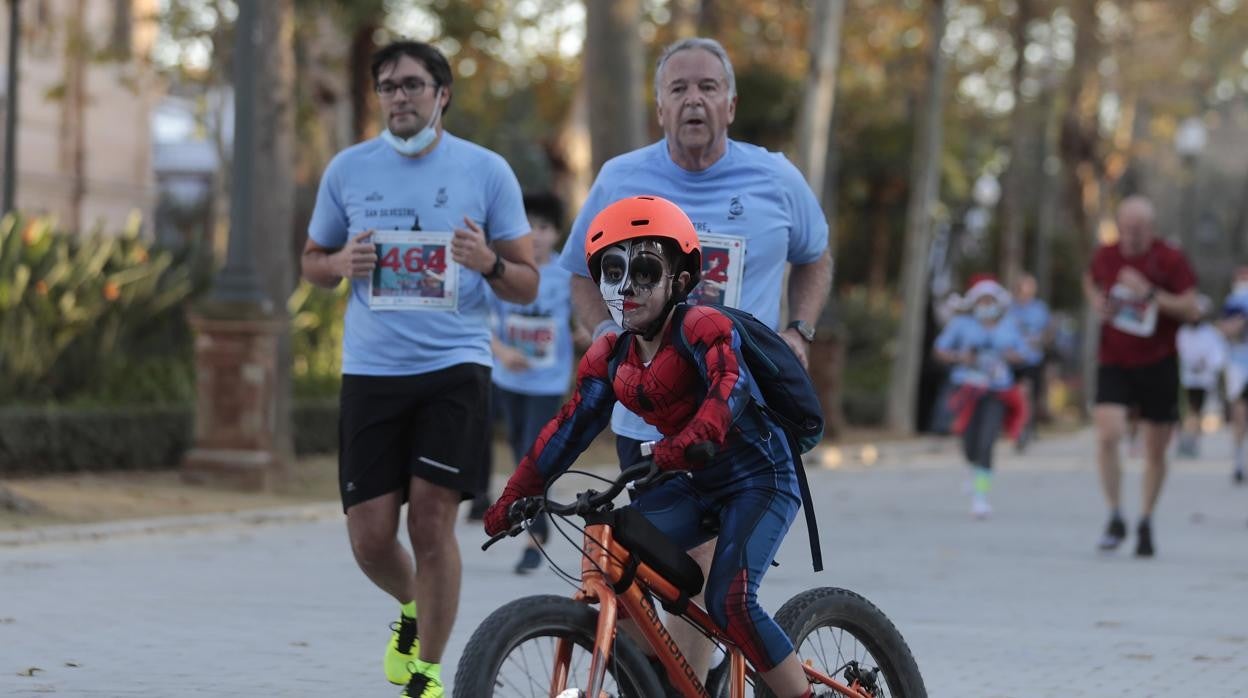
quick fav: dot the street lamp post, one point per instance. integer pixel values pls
(236, 283)
(10, 107)
(237, 328)
(985, 193)
(1189, 141)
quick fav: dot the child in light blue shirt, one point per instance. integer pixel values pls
(983, 347)
(533, 351)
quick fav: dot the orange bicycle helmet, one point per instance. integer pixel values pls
(642, 217)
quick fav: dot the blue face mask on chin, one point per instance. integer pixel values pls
(988, 313)
(413, 146)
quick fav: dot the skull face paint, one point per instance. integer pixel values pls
(631, 271)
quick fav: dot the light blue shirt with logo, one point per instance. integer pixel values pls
(750, 193)
(991, 370)
(369, 186)
(542, 331)
(1033, 320)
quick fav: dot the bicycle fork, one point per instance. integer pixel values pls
(594, 589)
(598, 567)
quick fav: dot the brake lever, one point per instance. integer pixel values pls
(512, 532)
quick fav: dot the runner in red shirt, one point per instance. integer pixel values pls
(1142, 289)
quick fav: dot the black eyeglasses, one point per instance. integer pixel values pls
(412, 87)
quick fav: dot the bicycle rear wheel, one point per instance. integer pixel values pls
(833, 627)
(512, 653)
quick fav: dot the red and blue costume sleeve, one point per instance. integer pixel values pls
(566, 436)
(716, 349)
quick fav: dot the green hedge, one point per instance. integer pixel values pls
(50, 440)
(316, 427)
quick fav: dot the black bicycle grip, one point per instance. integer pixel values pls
(700, 453)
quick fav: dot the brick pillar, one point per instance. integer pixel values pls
(235, 384)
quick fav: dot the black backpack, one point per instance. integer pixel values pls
(788, 393)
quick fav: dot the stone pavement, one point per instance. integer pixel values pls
(1017, 606)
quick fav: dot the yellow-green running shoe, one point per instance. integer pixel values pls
(422, 685)
(403, 648)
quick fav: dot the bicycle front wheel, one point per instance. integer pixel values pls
(512, 653)
(839, 631)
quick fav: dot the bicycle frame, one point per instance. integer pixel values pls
(602, 566)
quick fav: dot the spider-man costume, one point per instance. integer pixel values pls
(750, 486)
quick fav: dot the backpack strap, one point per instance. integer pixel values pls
(622, 343)
(786, 426)
(808, 506)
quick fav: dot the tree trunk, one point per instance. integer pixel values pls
(73, 155)
(814, 122)
(684, 18)
(709, 18)
(1080, 139)
(1050, 200)
(1082, 166)
(1012, 234)
(925, 185)
(571, 154)
(273, 213)
(613, 75)
(363, 107)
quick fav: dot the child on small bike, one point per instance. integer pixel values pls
(643, 252)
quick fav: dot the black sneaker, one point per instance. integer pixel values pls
(1237, 477)
(529, 561)
(1115, 533)
(1144, 539)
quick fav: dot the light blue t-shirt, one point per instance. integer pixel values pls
(750, 196)
(542, 331)
(370, 186)
(1033, 320)
(991, 370)
(1237, 354)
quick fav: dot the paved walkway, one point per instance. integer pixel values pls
(1017, 606)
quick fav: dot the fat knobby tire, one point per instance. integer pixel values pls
(546, 616)
(841, 608)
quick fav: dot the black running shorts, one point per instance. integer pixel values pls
(1154, 388)
(1195, 400)
(434, 426)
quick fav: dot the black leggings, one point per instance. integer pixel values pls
(982, 430)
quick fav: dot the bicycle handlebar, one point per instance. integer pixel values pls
(644, 473)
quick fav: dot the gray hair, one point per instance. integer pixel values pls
(711, 46)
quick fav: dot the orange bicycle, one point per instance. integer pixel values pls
(566, 648)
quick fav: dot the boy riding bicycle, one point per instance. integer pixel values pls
(643, 252)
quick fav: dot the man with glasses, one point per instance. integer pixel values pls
(414, 422)
(754, 213)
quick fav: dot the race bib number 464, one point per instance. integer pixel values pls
(414, 272)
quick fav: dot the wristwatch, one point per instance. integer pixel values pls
(496, 272)
(803, 328)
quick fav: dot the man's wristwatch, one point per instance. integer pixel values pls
(803, 328)
(496, 272)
